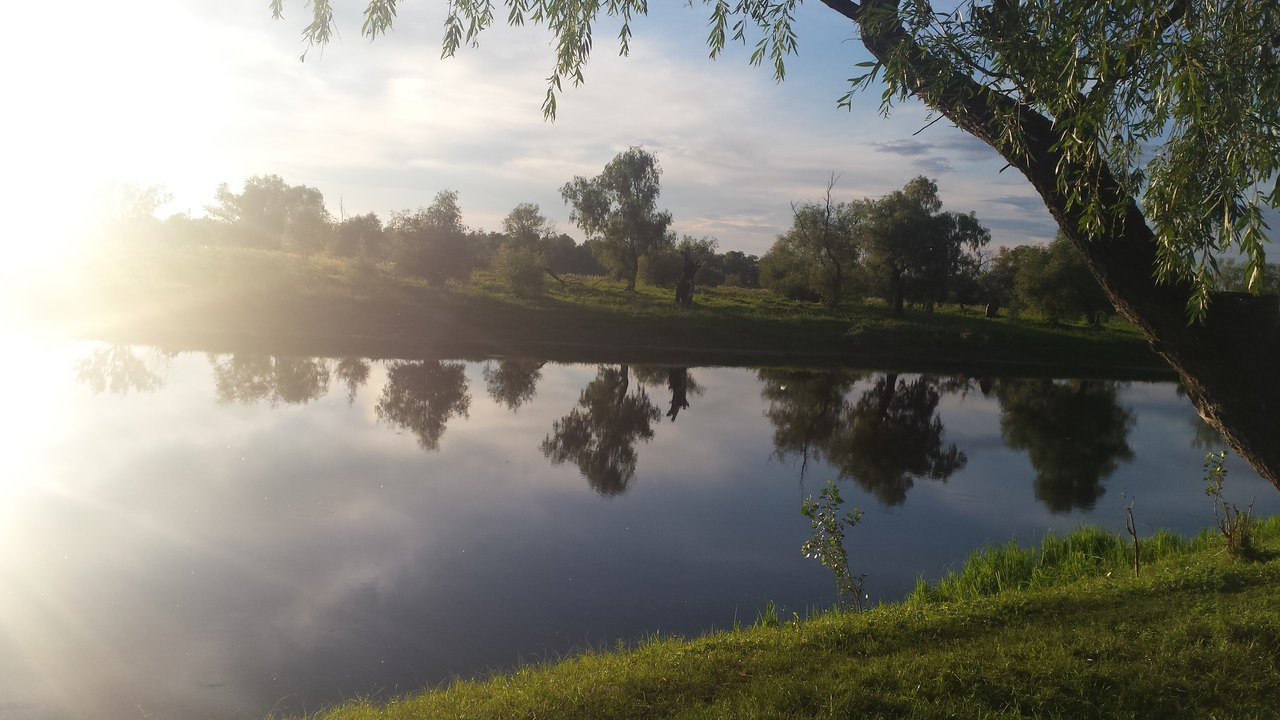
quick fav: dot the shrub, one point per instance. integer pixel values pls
(521, 268)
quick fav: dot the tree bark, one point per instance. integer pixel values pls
(1227, 362)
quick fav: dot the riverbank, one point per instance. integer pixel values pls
(223, 299)
(1068, 631)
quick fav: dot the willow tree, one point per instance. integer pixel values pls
(1148, 127)
(619, 210)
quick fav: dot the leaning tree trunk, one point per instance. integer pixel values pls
(1226, 362)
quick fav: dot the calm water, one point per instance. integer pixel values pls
(184, 535)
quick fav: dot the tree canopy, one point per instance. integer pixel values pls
(619, 207)
(1148, 127)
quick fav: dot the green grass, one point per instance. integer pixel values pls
(230, 298)
(1068, 632)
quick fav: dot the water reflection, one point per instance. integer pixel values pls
(247, 378)
(117, 369)
(421, 396)
(600, 434)
(354, 373)
(1075, 433)
(276, 575)
(890, 436)
(805, 408)
(512, 382)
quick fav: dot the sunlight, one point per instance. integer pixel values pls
(119, 95)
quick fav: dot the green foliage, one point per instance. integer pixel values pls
(361, 236)
(739, 269)
(522, 268)
(819, 249)
(618, 209)
(912, 250)
(268, 213)
(827, 542)
(665, 266)
(1055, 282)
(432, 241)
(1174, 104)
(786, 271)
(1086, 552)
(1234, 524)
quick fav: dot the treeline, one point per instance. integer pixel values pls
(431, 242)
(900, 247)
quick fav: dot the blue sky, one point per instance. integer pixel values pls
(190, 94)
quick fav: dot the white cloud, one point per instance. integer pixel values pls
(216, 94)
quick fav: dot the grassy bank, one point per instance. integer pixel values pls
(228, 298)
(1064, 631)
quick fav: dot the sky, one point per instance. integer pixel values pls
(190, 94)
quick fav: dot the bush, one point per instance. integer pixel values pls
(662, 269)
(521, 268)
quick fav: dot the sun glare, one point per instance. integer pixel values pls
(120, 94)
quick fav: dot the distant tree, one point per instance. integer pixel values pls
(740, 269)
(521, 260)
(788, 270)
(999, 281)
(822, 254)
(421, 396)
(665, 268)
(526, 225)
(182, 229)
(564, 255)
(600, 434)
(619, 209)
(133, 217)
(1075, 433)
(1055, 282)
(948, 252)
(1234, 277)
(432, 241)
(271, 214)
(361, 236)
(910, 249)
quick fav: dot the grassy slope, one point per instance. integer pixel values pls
(214, 299)
(1071, 634)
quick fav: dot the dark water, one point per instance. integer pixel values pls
(225, 536)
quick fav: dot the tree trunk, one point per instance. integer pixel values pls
(1227, 362)
(684, 287)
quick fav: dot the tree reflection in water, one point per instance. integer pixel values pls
(890, 436)
(1074, 432)
(600, 434)
(512, 382)
(678, 380)
(421, 396)
(242, 378)
(354, 373)
(116, 369)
